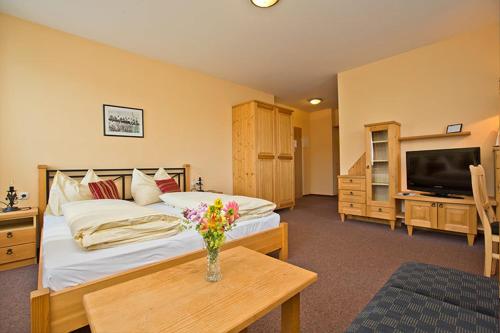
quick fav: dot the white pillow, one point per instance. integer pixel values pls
(143, 187)
(65, 189)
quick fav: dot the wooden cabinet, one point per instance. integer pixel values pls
(446, 214)
(263, 161)
(374, 179)
(18, 238)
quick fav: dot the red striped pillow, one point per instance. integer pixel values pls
(167, 185)
(104, 189)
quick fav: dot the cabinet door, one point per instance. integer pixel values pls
(265, 143)
(265, 179)
(284, 183)
(284, 191)
(244, 151)
(421, 214)
(457, 218)
(377, 169)
(265, 131)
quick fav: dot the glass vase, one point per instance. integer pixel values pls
(213, 265)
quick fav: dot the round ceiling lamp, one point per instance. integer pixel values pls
(264, 3)
(316, 101)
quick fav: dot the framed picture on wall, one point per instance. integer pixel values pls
(123, 121)
(454, 128)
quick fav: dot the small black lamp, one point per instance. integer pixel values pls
(12, 199)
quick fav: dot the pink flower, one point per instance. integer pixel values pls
(231, 211)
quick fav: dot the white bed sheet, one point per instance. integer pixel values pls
(65, 264)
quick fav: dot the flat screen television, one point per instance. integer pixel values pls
(441, 172)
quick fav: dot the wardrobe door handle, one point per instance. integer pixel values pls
(10, 235)
(9, 252)
(441, 205)
(433, 204)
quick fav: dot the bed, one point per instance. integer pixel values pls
(66, 272)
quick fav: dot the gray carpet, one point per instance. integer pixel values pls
(353, 260)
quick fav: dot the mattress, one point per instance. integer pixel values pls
(65, 264)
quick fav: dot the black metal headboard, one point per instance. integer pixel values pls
(118, 175)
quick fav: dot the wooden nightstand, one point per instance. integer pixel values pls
(18, 238)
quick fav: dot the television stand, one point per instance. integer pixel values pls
(449, 214)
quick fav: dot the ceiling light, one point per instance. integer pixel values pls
(264, 3)
(315, 101)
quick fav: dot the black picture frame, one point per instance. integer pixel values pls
(135, 113)
(454, 128)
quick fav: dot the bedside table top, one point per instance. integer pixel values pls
(18, 214)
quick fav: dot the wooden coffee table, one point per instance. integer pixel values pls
(179, 299)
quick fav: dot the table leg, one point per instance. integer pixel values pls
(290, 315)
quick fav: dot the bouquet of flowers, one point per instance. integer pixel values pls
(212, 222)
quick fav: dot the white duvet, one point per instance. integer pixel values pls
(250, 208)
(97, 224)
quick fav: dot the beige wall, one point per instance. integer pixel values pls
(321, 152)
(453, 81)
(53, 85)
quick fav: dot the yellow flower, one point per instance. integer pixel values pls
(218, 203)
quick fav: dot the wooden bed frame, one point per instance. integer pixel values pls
(63, 311)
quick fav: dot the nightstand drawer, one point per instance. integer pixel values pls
(352, 208)
(16, 236)
(17, 252)
(352, 196)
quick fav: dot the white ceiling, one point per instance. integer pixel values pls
(292, 50)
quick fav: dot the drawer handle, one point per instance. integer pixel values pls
(380, 209)
(351, 193)
(441, 205)
(350, 180)
(9, 252)
(10, 235)
(351, 205)
(433, 204)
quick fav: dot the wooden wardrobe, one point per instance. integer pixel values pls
(263, 165)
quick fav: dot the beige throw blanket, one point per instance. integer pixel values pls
(250, 208)
(97, 224)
